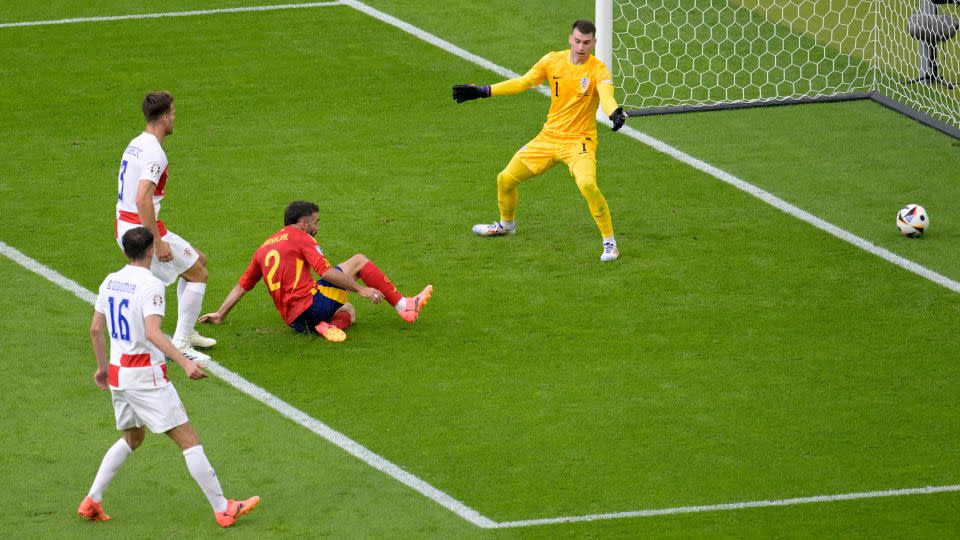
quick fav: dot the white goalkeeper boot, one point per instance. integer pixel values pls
(610, 252)
(496, 228)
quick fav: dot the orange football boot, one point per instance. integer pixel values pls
(413, 306)
(234, 510)
(92, 510)
(330, 332)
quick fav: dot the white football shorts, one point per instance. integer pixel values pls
(159, 409)
(184, 255)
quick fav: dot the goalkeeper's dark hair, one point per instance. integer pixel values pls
(155, 105)
(297, 210)
(136, 243)
(584, 27)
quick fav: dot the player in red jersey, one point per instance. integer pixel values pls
(284, 261)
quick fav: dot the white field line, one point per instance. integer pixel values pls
(48, 273)
(170, 14)
(381, 464)
(733, 506)
(679, 155)
(739, 184)
(794, 210)
(350, 446)
(296, 415)
(652, 142)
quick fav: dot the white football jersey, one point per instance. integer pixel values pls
(144, 159)
(126, 298)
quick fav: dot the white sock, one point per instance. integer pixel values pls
(111, 463)
(201, 471)
(401, 305)
(508, 225)
(189, 304)
(181, 283)
(610, 239)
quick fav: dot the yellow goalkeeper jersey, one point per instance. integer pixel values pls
(575, 91)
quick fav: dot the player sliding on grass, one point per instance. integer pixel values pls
(577, 82)
(136, 374)
(284, 261)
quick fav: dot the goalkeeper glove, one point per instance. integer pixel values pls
(466, 92)
(618, 118)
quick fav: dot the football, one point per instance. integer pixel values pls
(912, 220)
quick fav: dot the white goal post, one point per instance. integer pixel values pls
(691, 55)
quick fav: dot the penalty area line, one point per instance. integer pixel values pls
(171, 14)
(333, 436)
(929, 490)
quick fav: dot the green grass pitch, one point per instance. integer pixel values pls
(734, 353)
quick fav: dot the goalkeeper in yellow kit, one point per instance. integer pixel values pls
(577, 81)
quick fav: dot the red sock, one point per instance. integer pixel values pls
(341, 320)
(373, 277)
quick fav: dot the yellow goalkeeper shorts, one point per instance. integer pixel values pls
(547, 149)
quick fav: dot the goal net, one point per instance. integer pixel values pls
(684, 55)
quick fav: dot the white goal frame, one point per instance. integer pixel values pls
(937, 106)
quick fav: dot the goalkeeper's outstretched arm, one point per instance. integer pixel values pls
(466, 92)
(610, 107)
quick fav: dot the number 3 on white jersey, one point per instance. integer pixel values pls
(123, 171)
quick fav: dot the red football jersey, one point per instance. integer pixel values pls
(281, 261)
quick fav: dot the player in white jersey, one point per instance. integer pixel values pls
(141, 186)
(130, 306)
